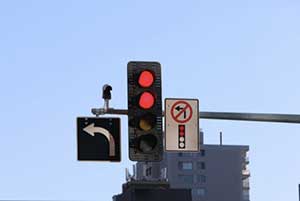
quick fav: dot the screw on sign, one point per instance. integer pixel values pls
(181, 111)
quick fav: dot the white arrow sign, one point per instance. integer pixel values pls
(92, 130)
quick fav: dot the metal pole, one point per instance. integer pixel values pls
(281, 118)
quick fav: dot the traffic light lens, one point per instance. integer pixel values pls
(145, 125)
(146, 79)
(146, 100)
(147, 122)
(147, 143)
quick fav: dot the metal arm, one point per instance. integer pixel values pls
(281, 118)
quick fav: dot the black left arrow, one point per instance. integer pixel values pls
(178, 108)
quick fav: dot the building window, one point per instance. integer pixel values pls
(188, 179)
(201, 192)
(185, 154)
(185, 165)
(202, 152)
(246, 194)
(148, 171)
(200, 178)
(201, 166)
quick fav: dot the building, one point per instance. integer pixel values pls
(216, 173)
(151, 191)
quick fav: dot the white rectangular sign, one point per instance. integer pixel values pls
(182, 125)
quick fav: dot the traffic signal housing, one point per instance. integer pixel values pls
(144, 111)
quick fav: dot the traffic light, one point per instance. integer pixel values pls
(144, 111)
(181, 136)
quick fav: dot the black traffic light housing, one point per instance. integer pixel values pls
(144, 111)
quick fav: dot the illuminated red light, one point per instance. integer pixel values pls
(146, 79)
(146, 100)
(181, 128)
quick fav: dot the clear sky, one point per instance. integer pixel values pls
(234, 56)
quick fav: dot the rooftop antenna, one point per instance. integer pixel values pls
(221, 138)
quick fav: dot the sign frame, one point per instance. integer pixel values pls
(193, 106)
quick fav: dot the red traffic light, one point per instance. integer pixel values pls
(146, 79)
(181, 130)
(146, 100)
(145, 136)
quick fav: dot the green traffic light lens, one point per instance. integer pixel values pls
(146, 143)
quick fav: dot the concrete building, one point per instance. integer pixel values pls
(216, 173)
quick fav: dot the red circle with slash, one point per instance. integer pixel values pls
(182, 111)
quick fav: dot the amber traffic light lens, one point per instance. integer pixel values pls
(147, 122)
(146, 100)
(145, 125)
(146, 79)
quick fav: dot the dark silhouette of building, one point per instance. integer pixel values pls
(151, 191)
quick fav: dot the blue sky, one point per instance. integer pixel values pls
(234, 56)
